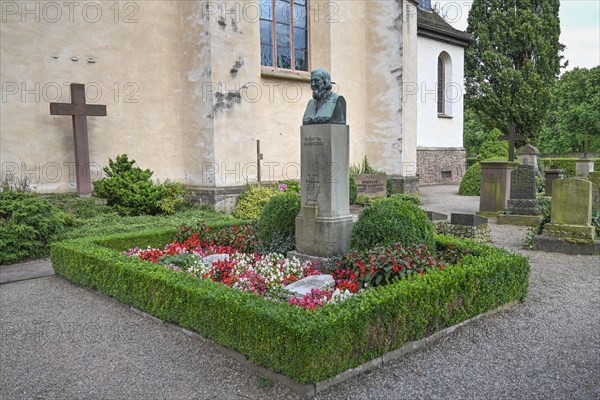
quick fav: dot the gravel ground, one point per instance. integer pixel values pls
(62, 341)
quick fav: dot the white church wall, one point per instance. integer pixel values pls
(434, 130)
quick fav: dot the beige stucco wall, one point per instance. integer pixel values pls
(136, 74)
(202, 97)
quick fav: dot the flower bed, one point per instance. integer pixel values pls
(306, 345)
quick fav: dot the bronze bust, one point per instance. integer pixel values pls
(325, 107)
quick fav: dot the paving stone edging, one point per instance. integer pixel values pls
(309, 390)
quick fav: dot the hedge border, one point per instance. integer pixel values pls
(306, 346)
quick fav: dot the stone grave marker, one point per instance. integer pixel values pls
(523, 208)
(583, 167)
(594, 177)
(436, 216)
(467, 219)
(305, 285)
(550, 176)
(495, 186)
(571, 210)
(371, 185)
(528, 155)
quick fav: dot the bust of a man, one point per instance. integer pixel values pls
(325, 107)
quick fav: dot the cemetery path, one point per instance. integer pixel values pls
(62, 341)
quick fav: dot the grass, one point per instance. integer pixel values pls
(86, 218)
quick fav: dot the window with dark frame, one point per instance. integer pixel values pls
(441, 73)
(284, 34)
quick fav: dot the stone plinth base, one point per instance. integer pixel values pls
(479, 233)
(220, 199)
(572, 232)
(322, 237)
(487, 214)
(519, 220)
(583, 167)
(523, 207)
(555, 245)
(404, 184)
(495, 185)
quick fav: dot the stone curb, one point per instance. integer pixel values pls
(309, 390)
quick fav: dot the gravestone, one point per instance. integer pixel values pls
(571, 210)
(371, 185)
(523, 191)
(305, 285)
(79, 110)
(528, 155)
(436, 216)
(550, 176)
(523, 208)
(467, 219)
(324, 224)
(594, 177)
(583, 167)
(495, 186)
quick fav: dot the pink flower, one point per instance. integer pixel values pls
(283, 187)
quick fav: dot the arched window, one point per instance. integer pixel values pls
(441, 85)
(446, 90)
(284, 34)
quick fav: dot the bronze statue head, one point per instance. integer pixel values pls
(320, 83)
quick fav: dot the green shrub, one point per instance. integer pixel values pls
(492, 148)
(470, 185)
(545, 206)
(596, 222)
(277, 223)
(252, 201)
(27, 224)
(291, 186)
(353, 189)
(130, 190)
(305, 345)
(412, 198)
(389, 221)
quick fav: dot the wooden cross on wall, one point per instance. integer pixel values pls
(79, 110)
(512, 137)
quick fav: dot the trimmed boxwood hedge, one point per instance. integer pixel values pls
(306, 345)
(566, 164)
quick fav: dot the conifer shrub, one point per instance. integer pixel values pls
(389, 221)
(470, 185)
(27, 224)
(130, 190)
(277, 223)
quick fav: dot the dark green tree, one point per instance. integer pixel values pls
(474, 132)
(574, 114)
(512, 65)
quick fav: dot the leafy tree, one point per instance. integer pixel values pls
(515, 60)
(574, 113)
(474, 132)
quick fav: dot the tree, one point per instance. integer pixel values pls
(474, 132)
(512, 65)
(574, 113)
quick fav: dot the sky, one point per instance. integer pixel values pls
(579, 24)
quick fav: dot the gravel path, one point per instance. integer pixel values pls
(62, 341)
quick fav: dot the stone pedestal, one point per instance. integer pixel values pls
(495, 186)
(550, 176)
(324, 224)
(583, 167)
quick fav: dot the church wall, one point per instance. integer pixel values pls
(128, 57)
(192, 97)
(441, 159)
(436, 131)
